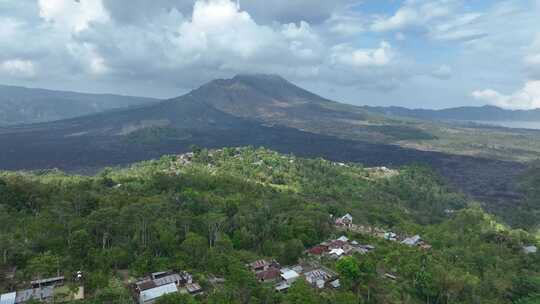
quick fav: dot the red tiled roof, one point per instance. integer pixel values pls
(318, 250)
(259, 264)
(270, 274)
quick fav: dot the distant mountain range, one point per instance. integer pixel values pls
(485, 113)
(19, 105)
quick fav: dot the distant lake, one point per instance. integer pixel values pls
(512, 124)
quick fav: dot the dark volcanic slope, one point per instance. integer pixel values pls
(20, 105)
(204, 118)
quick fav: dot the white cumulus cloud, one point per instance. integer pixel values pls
(532, 59)
(18, 68)
(439, 20)
(526, 98)
(176, 45)
(72, 15)
(347, 55)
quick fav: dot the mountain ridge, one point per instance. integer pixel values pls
(22, 105)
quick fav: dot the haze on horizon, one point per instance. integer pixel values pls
(413, 53)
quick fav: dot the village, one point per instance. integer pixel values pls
(144, 290)
(48, 290)
(312, 268)
(148, 289)
(345, 223)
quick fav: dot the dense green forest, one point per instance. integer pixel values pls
(215, 211)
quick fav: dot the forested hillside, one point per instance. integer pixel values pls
(213, 212)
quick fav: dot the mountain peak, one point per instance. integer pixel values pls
(256, 88)
(259, 77)
(264, 96)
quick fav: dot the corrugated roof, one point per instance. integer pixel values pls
(282, 286)
(35, 293)
(8, 298)
(337, 251)
(172, 278)
(259, 264)
(269, 274)
(194, 287)
(412, 240)
(317, 274)
(154, 293)
(343, 238)
(48, 280)
(144, 285)
(289, 274)
(318, 250)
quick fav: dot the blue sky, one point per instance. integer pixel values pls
(414, 53)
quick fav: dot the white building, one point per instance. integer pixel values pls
(289, 275)
(336, 253)
(149, 296)
(8, 298)
(343, 238)
(412, 241)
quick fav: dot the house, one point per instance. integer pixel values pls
(368, 247)
(149, 296)
(345, 220)
(157, 284)
(259, 265)
(56, 281)
(316, 275)
(266, 271)
(336, 253)
(335, 244)
(318, 250)
(343, 239)
(194, 288)
(289, 275)
(320, 277)
(8, 298)
(412, 241)
(282, 286)
(39, 294)
(44, 290)
(390, 236)
(363, 249)
(269, 275)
